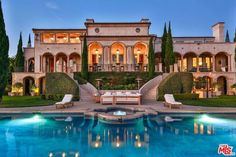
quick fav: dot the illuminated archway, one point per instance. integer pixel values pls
(190, 62)
(48, 62)
(221, 62)
(140, 53)
(117, 53)
(205, 62)
(61, 62)
(74, 62)
(95, 52)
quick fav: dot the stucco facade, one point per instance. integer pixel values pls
(124, 47)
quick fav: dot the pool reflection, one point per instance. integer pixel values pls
(82, 137)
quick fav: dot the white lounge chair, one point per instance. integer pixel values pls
(66, 102)
(171, 103)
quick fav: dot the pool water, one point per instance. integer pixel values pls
(188, 136)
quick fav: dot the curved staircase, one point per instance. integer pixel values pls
(149, 89)
(87, 90)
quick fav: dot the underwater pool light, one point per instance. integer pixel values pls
(31, 120)
(207, 119)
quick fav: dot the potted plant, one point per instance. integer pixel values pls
(17, 89)
(34, 90)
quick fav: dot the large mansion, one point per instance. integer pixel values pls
(123, 46)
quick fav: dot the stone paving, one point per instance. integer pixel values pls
(84, 106)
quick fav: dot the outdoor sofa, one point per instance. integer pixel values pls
(121, 98)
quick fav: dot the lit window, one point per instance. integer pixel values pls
(200, 61)
(74, 38)
(208, 62)
(48, 37)
(194, 62)
(62, 38)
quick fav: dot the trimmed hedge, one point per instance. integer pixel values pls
(116, 80)
(183, 96)
(79, 78)
(176, 83)
(59, 84)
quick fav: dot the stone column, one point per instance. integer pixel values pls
(43, 64)
(125, 55)
(54, 63)
(129, 58)
(182, 63)
(175, 67)
(26, 66)
(213, 64)
(68, 64)
(197, 63)
(105, 58)
(160, 67)
(229, 63)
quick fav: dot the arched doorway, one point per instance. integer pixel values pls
(221, 62)
(42, 85)
(31, 65)
(48, 63)
(95, 56)
(141, 56)
(222, 83)
(61, 62)
(28, 83)
(74, 62)
(205, 62)
(117, 53)
(118, 56)
(190, 62)
(203, 86)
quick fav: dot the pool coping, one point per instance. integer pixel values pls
(86, 107)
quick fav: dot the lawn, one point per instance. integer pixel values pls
(25, 101)
(222, 101)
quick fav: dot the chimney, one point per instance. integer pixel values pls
(144, 20)
(89, 21)
(219, 32)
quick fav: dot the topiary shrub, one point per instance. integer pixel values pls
(176, 83)
(59, 84)
(79, 78)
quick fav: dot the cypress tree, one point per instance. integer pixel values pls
(169, 56)
(235, 36)
(227, 39)
(151, 59)
(84, 68)
(20, 56)
(4, 48)
(163, 47)
(29, 41)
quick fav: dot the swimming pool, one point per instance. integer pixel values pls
(54, 136)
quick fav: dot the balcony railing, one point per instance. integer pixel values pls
(117, 67)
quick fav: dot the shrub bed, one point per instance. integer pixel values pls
(59, 84)
(116, 80)
(176, 83)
